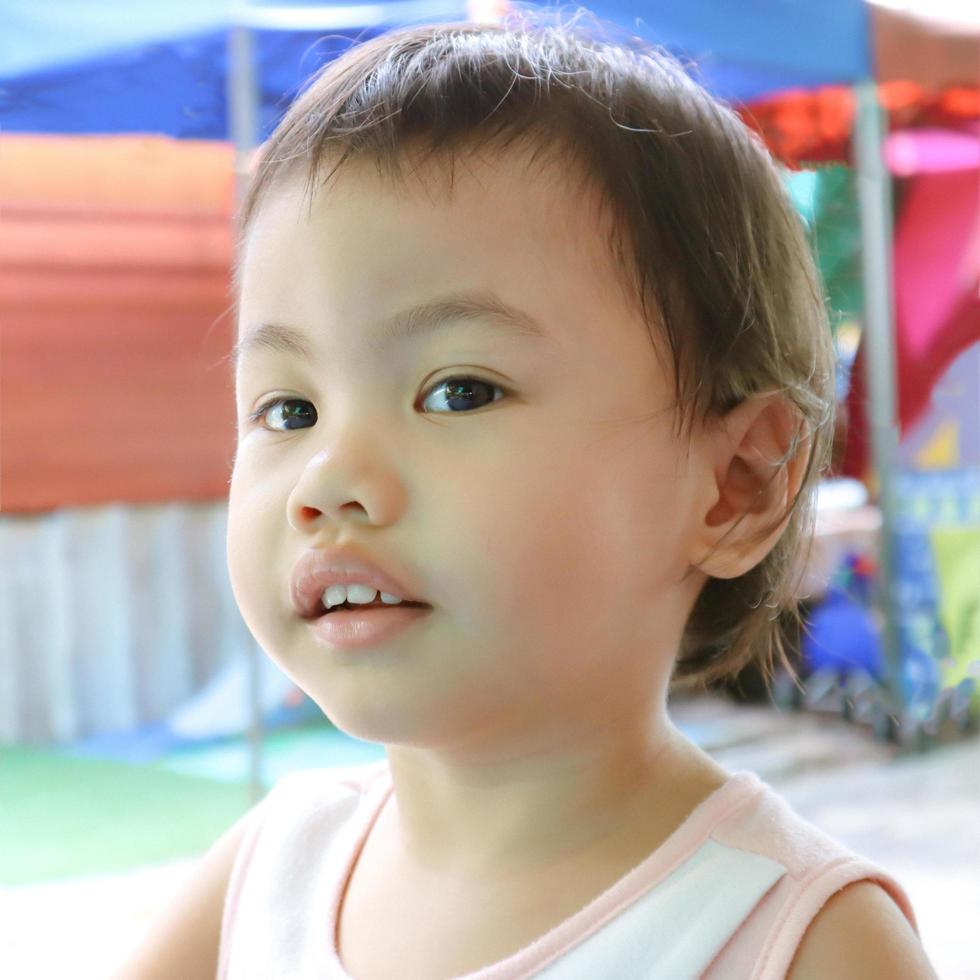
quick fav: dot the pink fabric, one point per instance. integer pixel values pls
(744, 814)
(817, 867)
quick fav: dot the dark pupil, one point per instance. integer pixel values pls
(302, 410)
(457, 391)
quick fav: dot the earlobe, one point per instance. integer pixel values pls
(758, 467)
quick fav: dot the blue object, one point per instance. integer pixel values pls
(749, 49)
(142, 66)
(841, 636)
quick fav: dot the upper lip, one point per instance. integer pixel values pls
(319, 568)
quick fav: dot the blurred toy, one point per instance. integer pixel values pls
(841, 634)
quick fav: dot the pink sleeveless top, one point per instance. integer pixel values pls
(727, 896)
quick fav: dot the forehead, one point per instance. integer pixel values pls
(363, 248)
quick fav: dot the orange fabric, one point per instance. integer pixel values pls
(115, 312)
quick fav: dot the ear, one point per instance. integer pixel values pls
(758, 459)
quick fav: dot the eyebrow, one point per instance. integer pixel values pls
(483, 307)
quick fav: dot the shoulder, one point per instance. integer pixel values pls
(860, 934)
(183, 940)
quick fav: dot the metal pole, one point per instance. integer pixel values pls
(241, 97)
(875, 201)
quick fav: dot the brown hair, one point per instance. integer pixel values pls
(710, 246)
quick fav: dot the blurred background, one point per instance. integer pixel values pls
(138, 718)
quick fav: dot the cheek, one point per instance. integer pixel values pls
(239, 571)
(544, 542)
(250, 541)
(648, 522)
(605, 534)
(505, 524)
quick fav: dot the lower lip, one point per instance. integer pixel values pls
(352, 629)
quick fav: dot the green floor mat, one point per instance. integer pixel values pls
(61, 817)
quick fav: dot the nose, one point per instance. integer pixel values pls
(345, 487)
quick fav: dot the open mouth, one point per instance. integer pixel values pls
(322, 610)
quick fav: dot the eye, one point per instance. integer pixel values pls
(289, 414)
(462, 390)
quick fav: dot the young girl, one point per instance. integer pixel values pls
(531, 358)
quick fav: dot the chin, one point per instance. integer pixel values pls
(404, 721)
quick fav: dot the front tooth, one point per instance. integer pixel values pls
(361, 594)
(334, 595)
(389, 599)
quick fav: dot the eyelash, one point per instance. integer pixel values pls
(260, 412)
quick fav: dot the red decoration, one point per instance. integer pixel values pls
(805, 128)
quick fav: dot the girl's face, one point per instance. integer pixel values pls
(545, 513)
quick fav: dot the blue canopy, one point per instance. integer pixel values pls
(145, 66)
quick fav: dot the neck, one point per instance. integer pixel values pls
(542, 809)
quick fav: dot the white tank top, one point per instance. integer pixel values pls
(727, 896)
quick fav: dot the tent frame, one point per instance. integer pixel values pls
(875, 210)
